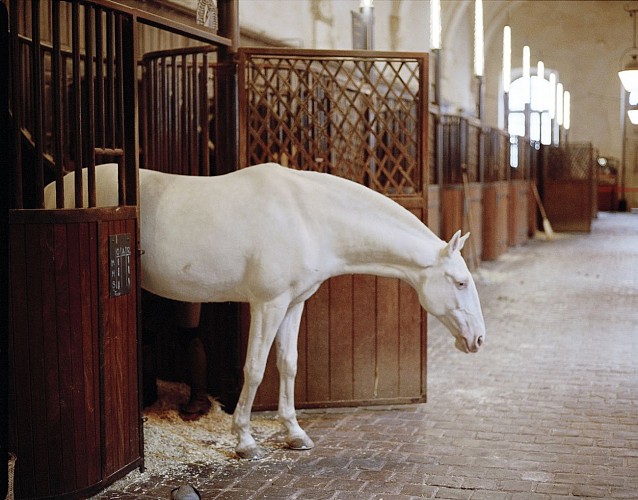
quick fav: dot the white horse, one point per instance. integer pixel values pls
(269, 236)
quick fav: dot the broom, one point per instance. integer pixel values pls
(547, 227)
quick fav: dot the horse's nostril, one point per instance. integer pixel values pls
(479, 341)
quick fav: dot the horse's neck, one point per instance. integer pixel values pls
(386, 241)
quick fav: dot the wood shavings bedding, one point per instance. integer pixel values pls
(171, 445)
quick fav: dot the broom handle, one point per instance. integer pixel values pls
(538, 200)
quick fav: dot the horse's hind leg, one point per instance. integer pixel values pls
(286, 342)
(264, 323)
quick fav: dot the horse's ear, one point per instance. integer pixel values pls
(456, 243)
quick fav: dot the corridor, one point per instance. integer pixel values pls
(547, 410)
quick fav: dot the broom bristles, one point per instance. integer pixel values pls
(547, 227)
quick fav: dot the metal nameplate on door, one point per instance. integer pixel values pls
(120, 264)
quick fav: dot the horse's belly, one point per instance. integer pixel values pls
(178, 280)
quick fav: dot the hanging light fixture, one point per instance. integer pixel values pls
(629, 74)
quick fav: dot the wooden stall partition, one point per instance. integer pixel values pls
(73, 385)
(363, 116)
(519, 199)
(461, 191)
(434, 209)
(496, 154)
(362, 341)
(569, 186)
(496, 196)
(462, 208)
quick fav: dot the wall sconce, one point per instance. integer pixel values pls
(629, 74)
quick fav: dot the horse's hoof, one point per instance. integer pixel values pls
(252, 453)
(300, 443)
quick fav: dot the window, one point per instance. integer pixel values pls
(540, 124)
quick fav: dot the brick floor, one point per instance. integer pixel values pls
(547, 410)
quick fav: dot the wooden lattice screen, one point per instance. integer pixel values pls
(360, 115)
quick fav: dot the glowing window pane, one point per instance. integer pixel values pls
(516, 125)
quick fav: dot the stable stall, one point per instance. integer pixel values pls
(569, 186)
(362, 116)
(461, 191)
(496, 192)
(75, 422)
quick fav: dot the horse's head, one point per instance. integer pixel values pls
(449, 293)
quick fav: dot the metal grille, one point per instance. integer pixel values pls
(496, 147)
(359, 117)
(461, 149)
(69, 89)
(177, 114)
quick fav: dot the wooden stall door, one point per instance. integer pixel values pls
(73, 385)
(363, 116)
(362, 340)
(569, 186)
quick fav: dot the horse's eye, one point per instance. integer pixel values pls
(461, 284)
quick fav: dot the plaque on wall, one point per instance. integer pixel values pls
(120, 264)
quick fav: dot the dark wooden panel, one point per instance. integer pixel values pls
(70, 433)
(20, 430)
(568, 205)
(341, 342)
(119, 353)
(412, 345)
(363, 335)
(517, 213)
(457, 212)
(318, 345)
(452, 210)
(495, 219)
(386, 384)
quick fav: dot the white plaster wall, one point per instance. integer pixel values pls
(582, 40)
(326, 24)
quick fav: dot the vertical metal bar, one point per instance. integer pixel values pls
(37, 89)
(90, 102)
(175, 157)
(163, 109)
(204, 158)
(56, 61)
(194, 163)
(110, 81)
(118, 139)
(184, 98)
(16, 102)
(129, 123)
(77, 90)
(99, 76)
(151, 121)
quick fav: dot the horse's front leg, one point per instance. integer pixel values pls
(286, 342)
(265, 320)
